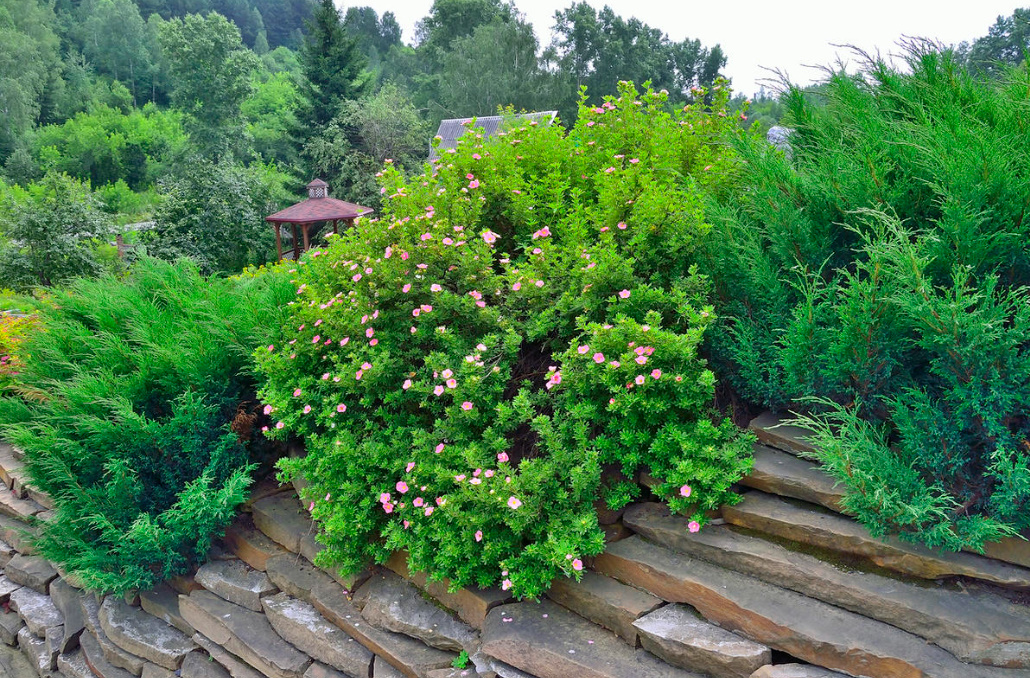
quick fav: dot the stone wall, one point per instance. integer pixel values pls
(782, 585)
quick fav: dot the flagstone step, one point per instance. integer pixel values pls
(605, 601)
(777, 472)
(548, 641)
(772, 515)
(806, 628)
(11, 465)
(773, 430)
(974, 624)
(236, 582)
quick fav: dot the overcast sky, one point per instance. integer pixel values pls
(788, 35)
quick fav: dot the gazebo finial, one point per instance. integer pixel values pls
(318, 189)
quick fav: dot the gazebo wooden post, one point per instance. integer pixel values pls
(278, 240)
(336, 226)
(296, 243)
(307, 241)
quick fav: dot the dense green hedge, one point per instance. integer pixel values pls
(881, 267)
(136, 409)
(514, 339)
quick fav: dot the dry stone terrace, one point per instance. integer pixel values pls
(782, 585)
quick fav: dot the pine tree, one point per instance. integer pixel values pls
(334, 67)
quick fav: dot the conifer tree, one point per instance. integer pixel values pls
(334, 67)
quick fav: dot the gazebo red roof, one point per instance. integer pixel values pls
(319, 209)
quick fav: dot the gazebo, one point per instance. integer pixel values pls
(318, 208)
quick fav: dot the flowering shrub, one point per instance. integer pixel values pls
(12, 333)
(514, 339)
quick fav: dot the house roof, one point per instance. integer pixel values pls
(319, 209)
(450, 130)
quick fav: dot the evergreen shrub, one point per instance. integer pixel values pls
(876, 278)
(514, 339)
(135, 405)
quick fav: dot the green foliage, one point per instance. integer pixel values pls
(363, 136)
(271, 113)
(214, 213)
(53, 234)
(461, 661)
(882, 269)
(1004, 45)
(115, 40)
(211, 74)
(106, 145)
(333, 67)
(127, 393)
(522, 322)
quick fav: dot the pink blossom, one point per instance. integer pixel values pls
(387, 507)
(640, 359)
(440, 501)
(416, 312)
(459, 478)
(402, 486)
(438, 390)
(406, 385)
(502, 456)
(426, 236)
(307, 408)
(475, 481)
(366, 366)
(411, 465)
(358, 375)
(271, 347)
(406, 524)
(685, 491)
(268, 409)
(693, 526)
(417, 502)
(539, 283)
(356, 277)
(598, 358)
(624, 294)
(439, 448)
(489, 473)
(640, 379)
(516, 287)
(474, 183)
(634, 161)
(384, 497)
(369, 332)
(655, 374)
(513, 502)
(583, 349)
(622, 225)
(343, 342)
(479, 535)
(406, 288)
(426, 308)
(447, 374)
(577, 564)
(296, 394)
(280, 425)
(373, 342)
(452, 383)
(466, 406)
(490, 237)
(435, 287)
(429, 510)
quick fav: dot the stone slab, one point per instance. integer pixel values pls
(236, 581)
(15, 664)
(245, 633)
(296, 576)
(114, 654)
(143, 634)
(67, 600)
(412, 657)
(250, 544)
(548, 641)
(382, 669)
(235, 666)
(22, 509)
(266, 487)
(38, 611)
(676, 634)
(7, 587)
(772, 515)
(320, 670)
(163, 603)
(773, 430)
(795, 671)
(282, 519)
(974, 624)
(73, 665)
(42, 498)
(392, 603)
(781, 473)
(17, 534)
(803, 627)
(198, 665)
(34, 650)
(605, 601)
(31, 571)
(155, 671)
(1014, 550)
(470, 604)
(10, 465)
(53, 640)
(97, 662)
(301, 624)
(6, 553)
(10, 624)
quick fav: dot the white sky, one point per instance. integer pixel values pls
(788, 35)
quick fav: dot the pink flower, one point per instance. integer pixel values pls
(307, 409)
(387, 507)
(622, 225)
(447, 374)
(502, 456)
(440, 501)
(583, 349)
(439, 448)
(417, 502)
(268, 409)
(384, 497)
(516, 287)
(311, 507)
(429, 510)
(577, 564)
(373, 342)
(479, 535)
(411, 465)
(490, 237)
(513, 502)
(426, 236)
(406, 288)
(640, 359)
(416, 312)
(366, 366)
(693, 526)
(640, 379)
(343, 342)
(280, 425)
(296, 394)
(271, 347)
(402, 486)
(459, 478)
(451, 383)
(655, 374)
(466, 406)
(406, 385)
(685, 491)
(489, 473)
(358, 374)
(598, 358)
(506, 584)
(474, 183)
(369, 332)
(406, 524)
(438, 390)
(356, 277)
(634, 161)
(435, 287)
(624, 294)
(539, 283)
(427, 308)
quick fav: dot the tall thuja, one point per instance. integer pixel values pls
(514, 340)
(135, 405)
(877, 273)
